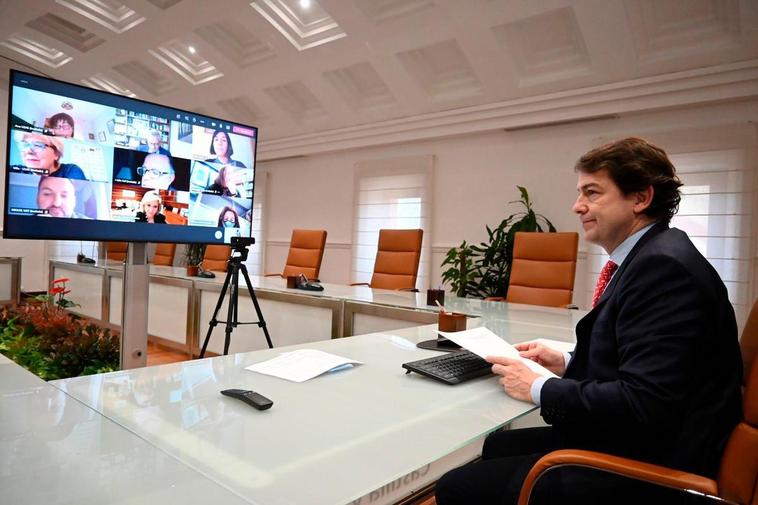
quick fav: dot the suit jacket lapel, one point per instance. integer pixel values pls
(652, 232)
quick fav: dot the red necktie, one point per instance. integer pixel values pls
(605, 276)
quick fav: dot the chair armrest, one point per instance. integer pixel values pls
(495, 299)
(273, 275)
(639, 470)
(360, 284)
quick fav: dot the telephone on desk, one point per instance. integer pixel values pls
(306, 285)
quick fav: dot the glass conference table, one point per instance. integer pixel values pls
(367, 434)
(54, 449)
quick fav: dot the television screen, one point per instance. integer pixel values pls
(83, 164)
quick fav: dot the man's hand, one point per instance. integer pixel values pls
(549, 358)
(515, 377)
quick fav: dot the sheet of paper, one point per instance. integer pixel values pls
(558, 345)
(301, 365)
(482, 342)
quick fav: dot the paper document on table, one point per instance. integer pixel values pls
(301, 365)
(482, 342)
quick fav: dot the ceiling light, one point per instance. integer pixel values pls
(305, 4)
(192, 49)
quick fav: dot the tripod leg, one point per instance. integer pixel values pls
(261, 321)
(231, 312)
(213, 322)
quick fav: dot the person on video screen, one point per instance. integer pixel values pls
(60, 124)
(44, 153)
(157, 172)
(228, 182)
(153, 146)
(151, 209)
(221, 146)
(228, 218)
(58, 197)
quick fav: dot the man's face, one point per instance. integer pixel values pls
(157, 172)
(608, 216)
(153, 144)
(57, 196)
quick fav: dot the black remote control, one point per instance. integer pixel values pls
(257, 400)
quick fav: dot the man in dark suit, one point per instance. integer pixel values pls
(656, 371)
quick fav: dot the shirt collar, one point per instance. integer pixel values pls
(622, 251)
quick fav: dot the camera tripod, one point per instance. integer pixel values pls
(234, 267)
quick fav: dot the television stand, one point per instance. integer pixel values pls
(134, 307)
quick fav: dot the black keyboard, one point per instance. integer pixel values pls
(451, 368)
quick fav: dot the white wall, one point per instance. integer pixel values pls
(475, 178)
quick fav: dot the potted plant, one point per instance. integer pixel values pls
(193, 257)
(484, 270)
(460, 275)
(43, 337)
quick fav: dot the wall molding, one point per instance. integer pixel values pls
(717, 83)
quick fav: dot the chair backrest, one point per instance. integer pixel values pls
(738, 473)
(543, 268)
(306, 253)
(749, 339)
(164, 254)
(116, 250)
(215, 257)
(397, 258)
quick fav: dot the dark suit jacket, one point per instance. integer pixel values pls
(656, 371)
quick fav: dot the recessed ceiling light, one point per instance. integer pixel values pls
(192, 49)
(305, 4)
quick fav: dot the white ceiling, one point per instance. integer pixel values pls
(346, 63)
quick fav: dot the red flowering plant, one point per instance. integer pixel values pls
(54, 343)
(57, 294)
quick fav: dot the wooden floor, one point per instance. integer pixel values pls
(159, 355)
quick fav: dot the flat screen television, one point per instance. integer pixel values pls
(83, 164)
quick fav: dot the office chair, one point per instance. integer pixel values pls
(164, 254)
(543, 268)
(305, 254)
(737, 479)
(397, 258)
(215, 257)
(116, 250)
(749, 339)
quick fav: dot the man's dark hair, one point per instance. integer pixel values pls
(634, 164)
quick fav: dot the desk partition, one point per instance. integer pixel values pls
(180, 308)
(10, 280)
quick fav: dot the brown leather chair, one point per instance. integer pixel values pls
(215, 257)
(305, 255)
(737, 479)
(116, 250)
(164, 254)
(749, 339)
(543, 268)
(397, 258)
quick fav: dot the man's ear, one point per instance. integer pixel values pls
(643, 199)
